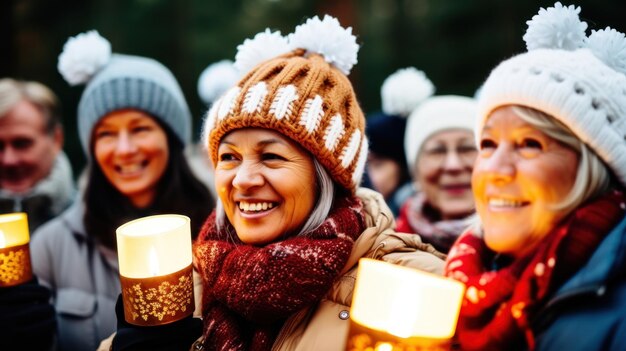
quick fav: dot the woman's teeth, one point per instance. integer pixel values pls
(135, 167)
(259, 206)
(506, 203)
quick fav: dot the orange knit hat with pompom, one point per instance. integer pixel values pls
(300, 90)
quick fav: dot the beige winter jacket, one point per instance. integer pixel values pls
(325, 325)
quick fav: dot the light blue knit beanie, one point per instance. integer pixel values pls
(121, 81)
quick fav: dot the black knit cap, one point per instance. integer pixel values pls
(386, 135)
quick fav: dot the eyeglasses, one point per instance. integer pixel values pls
(437, 155)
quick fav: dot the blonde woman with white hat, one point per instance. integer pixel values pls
(545, 264)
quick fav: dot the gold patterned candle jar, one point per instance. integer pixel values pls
(155, 269)
(402, 309)
(15, 265)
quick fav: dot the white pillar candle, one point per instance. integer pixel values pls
(15, 267)
(396, 305)
(155, 269)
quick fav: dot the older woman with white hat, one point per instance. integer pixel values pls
(545, 265)
(440, 152)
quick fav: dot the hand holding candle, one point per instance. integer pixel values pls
(27, 319)
(399, 308)
(155, 269)
(15, 267)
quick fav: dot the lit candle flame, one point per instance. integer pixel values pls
(3, 241)
(153, 262)
(385, 346)
(401, 323)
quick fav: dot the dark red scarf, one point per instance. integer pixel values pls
(499, 305)
(249, 291)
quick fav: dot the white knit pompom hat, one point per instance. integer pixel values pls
(436, 114)
(215, 79)
(404, 90)
(576, 79)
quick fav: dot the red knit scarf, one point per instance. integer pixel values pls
(249, 291)
(499, 305)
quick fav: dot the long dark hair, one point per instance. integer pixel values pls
(178, 191)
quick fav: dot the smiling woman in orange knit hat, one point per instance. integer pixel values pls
(278, 258)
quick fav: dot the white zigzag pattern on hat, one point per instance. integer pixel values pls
(334, 132)
(228, 102)
(312, 114)
(254, 98)
(360, 164)
(350, 150)
(282, 106)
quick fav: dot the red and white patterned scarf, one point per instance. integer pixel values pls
(499, 304)
(249, 291)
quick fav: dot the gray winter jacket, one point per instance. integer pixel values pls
(83, 276)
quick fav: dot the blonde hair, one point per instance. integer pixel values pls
(13, 91)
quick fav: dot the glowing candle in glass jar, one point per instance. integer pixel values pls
(400, 308)
(154, 254)
(15, 265)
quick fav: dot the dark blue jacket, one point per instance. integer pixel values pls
(589, 311)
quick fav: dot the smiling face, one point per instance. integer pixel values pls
(132, 151)
(266, 183)
(444, 169)
(27, 149)
(520, 175)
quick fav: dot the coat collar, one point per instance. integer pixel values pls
(603, 264)
(58, 186)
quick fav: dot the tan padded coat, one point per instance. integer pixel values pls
(325, 325)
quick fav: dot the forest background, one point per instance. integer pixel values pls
(455, 42)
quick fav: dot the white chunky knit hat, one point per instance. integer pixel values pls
(578, 80)
(436, 114)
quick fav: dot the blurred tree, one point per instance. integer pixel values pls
(8, 36)
(455, 42)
